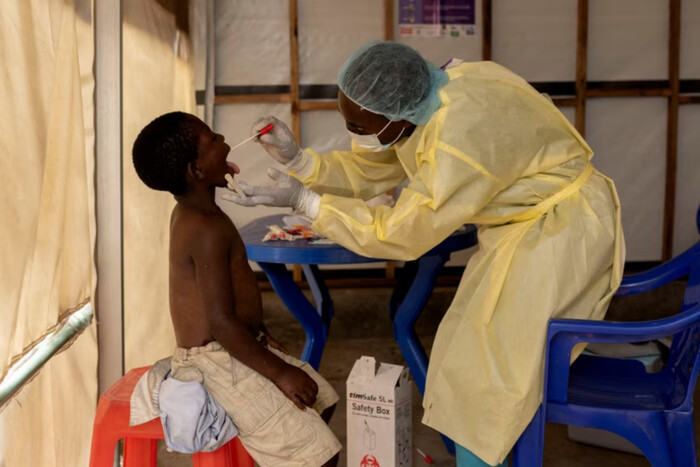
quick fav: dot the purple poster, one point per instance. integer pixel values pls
(434, 18)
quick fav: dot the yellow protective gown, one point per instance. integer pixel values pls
(498, 154)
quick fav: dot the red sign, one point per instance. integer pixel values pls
(369, 461)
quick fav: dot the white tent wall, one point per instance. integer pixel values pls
(156, 78)
(48, 229)
(690, 39)
(628, 137)
(536, 39)
(688, 188)
(627, 40)
(252, 42)
(329, 31)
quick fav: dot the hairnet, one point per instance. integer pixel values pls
(392, 80)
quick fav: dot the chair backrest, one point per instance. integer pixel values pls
(692, 290)
(684, 358)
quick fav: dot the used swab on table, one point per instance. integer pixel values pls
(266, 129)
(426, 458)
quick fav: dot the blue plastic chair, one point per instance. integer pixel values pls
(652, 410)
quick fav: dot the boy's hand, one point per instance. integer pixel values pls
(297, 386)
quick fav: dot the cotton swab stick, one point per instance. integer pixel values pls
(234, 186)
(266, 129)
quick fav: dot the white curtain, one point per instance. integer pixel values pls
(47, 230)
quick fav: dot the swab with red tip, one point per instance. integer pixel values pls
(426, 458)
(266, 129)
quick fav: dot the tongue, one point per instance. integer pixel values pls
(234, 167)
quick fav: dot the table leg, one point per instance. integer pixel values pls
(322, 299)
(406, 312)
(405, 277)
(311, 320)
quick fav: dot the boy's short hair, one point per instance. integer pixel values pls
(163, 150)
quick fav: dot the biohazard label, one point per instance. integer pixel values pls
(369, 461)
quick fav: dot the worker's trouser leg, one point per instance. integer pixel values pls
(465, 458)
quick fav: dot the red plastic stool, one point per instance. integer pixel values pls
(140, 441)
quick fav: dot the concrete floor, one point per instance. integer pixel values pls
(361, 327)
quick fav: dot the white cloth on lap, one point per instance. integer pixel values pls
(192, 420)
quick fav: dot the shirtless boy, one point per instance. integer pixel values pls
(216, 307)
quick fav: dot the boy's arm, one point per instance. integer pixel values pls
(213, 276)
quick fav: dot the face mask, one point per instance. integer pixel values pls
(372, 142)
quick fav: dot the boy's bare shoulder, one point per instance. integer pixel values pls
(204, 227)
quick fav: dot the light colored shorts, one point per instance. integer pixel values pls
(273, 430)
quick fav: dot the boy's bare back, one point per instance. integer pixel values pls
(189, 228)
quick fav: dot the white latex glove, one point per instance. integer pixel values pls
(287, 191)
(279, 142)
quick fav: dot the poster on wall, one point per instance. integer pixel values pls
(436, 18)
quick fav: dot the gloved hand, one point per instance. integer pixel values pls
(287, 191)
(279, 142)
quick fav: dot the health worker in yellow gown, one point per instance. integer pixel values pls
(478, 145)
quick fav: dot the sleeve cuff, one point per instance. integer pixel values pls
(310, 204)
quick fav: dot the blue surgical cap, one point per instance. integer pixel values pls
(392, 80)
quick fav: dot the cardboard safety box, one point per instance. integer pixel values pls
(379, 415)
